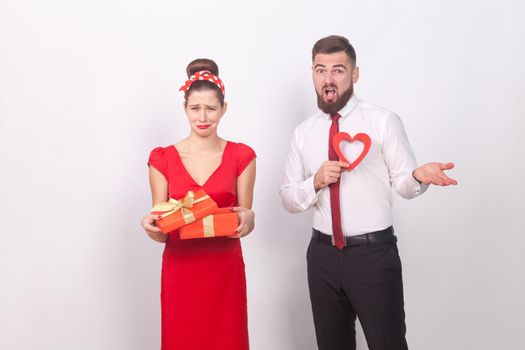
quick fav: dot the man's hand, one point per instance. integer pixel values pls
(432, 173)
(328, 173)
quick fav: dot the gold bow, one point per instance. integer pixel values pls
(173, 205)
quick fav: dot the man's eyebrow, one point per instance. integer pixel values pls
(334, 66)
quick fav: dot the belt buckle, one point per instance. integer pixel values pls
(333, 240)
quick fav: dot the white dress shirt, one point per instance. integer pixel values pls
(365, 192)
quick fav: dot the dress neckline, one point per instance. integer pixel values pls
(211, 175)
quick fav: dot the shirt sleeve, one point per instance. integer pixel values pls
(245, 155)
(297, 191)
(400, 159)
(157, 159)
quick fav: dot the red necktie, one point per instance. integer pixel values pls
(334, 188)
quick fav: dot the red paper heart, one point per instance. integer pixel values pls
(344, 136)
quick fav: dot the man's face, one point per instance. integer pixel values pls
(334, 77)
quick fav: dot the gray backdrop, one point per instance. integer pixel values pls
(88, 88)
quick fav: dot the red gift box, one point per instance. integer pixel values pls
(176, 213)
(222, 222)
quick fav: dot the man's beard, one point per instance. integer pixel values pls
(334, 107)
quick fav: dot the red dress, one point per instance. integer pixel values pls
(203, 287)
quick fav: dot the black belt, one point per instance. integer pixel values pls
(382, 236)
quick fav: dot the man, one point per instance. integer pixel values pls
(353, 263)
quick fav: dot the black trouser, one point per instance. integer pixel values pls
(361, 280)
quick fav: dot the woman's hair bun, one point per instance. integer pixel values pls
(201, 64)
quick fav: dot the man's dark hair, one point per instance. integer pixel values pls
(333, 44)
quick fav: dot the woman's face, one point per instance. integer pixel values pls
(204, 111)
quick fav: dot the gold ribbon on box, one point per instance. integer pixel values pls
(173, 205)
(207, 224)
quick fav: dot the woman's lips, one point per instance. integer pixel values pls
(203, 126)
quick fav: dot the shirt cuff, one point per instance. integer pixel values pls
(417, 187)
(309, 190)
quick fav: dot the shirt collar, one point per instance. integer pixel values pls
(345, 111)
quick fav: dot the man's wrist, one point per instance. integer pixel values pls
(415, 177)
(317, 186)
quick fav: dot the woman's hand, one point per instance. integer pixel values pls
(246, 221)
(148, 224)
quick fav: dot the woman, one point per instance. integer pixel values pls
(203, 288)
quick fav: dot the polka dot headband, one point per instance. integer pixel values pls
(203, 75)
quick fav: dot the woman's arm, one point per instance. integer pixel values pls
(159, 193)
(245, 184)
